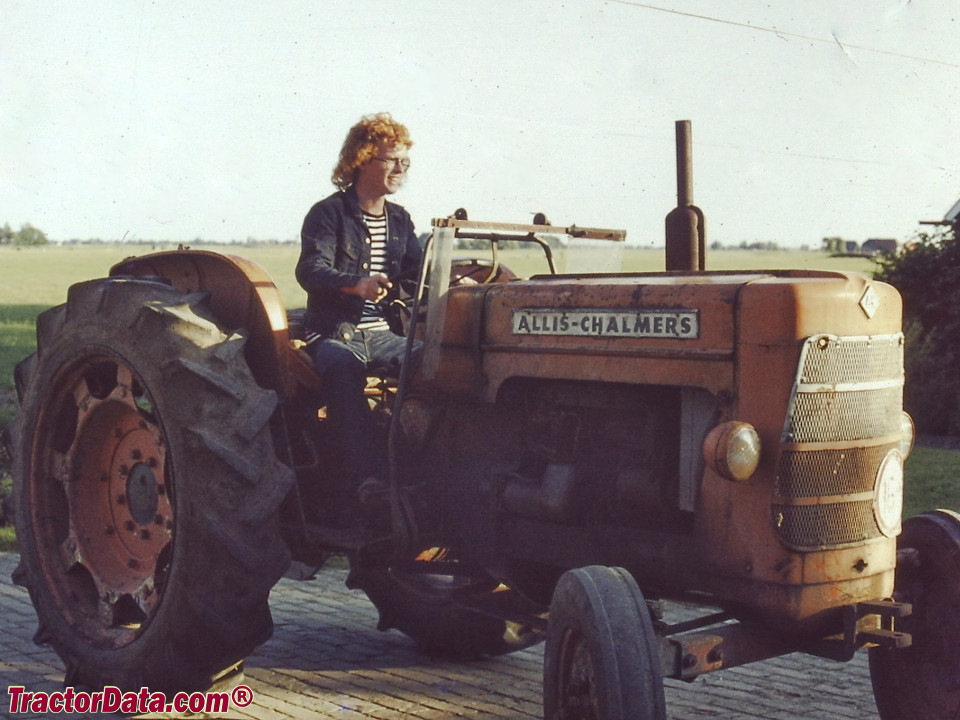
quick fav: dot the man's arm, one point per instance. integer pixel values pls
(316, 268)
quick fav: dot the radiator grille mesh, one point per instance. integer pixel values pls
(811, 527)
(843, 416)
(819, 473)
(848, 391)
(852, 360)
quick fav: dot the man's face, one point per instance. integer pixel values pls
(384, 172)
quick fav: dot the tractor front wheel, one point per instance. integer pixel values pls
(601, 660)
(923, 680)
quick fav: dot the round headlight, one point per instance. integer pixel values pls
(733, 450)
(888, 494)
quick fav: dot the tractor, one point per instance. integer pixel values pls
(572, 452)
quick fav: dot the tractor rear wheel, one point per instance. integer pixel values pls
(444, 612)
(602, 660)
(147, 489)
(923, 680)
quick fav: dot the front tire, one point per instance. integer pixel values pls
(147, 489)
(601, 660)
(923, 680)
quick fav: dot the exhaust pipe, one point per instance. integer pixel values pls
(686, 245)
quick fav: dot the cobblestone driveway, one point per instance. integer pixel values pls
(327, 660)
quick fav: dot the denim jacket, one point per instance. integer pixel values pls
(335, 253)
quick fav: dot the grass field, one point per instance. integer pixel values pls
(34, 279)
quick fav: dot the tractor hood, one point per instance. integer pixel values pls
(620, 328)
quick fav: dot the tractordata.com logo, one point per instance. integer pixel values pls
(112, 700)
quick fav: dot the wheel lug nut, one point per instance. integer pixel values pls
(135, 454)
(129, 525)
(158, 519)
(144, 534)
(121, 499)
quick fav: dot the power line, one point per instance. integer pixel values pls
(758, 28)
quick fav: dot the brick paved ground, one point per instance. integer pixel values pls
(327, 660)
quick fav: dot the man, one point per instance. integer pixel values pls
(353, 244)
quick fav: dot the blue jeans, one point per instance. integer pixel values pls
(344, 366)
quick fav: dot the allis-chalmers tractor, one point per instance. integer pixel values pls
(572, 452)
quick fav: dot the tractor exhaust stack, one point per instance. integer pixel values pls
(684, 224)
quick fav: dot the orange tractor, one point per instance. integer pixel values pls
(573, 451)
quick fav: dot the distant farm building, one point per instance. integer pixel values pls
(951, 219)
(953, 216)
(879, 246)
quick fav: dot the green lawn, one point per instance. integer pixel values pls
(932, 480)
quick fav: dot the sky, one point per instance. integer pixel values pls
(222, 120)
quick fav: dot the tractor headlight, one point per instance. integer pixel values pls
(907, 435)
(888, 494)
(733, 450)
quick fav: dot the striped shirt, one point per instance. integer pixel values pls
(372, 318)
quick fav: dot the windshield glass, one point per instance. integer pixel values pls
(583, 256)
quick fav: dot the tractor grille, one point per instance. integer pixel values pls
(820, 526)
(821, 473)
(831, 416)
(843, 419)
(830, 359)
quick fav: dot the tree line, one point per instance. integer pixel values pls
(927, 274)
(26, 235)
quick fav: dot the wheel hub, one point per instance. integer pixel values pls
(114, 518)
(578, 680)
(119, 511)
(142, 495)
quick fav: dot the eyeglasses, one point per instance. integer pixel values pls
(403, 163)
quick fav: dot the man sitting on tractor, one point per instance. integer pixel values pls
(354, 244)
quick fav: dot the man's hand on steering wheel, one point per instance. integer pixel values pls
(373, 287)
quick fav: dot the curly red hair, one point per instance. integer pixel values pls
(361, 145)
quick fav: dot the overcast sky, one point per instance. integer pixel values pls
(222, 120)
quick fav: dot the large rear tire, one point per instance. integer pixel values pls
(923, 680)
(601, 660)
(147, 489)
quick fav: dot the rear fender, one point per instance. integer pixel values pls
(242, 295)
